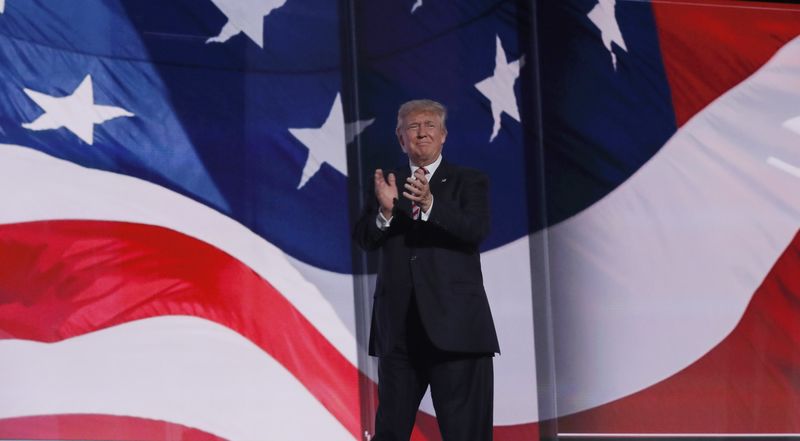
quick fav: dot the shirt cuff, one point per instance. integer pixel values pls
(425, 214)
(382, 222)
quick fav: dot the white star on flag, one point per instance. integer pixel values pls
(324, 142)
(416, 5)
(244, 16)
(793, 124)
(603, 15)
(77, 112)
(2, 6)
(499, 88)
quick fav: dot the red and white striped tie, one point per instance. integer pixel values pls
(414, 207)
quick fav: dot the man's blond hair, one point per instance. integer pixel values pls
(425, 105)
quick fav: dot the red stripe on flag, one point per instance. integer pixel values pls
(710, 46)
(60, 279)
(746, 384)
(98, 427)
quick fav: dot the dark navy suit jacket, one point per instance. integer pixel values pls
(437, 260)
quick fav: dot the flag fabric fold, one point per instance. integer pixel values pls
(175, 230)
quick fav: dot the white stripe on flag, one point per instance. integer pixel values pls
(183, 370)
(48, 188)
(654, 275)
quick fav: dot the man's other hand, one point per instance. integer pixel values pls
(418, 190)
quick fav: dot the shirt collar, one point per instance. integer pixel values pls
(430, 167)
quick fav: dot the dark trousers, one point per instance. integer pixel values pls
(462, 388)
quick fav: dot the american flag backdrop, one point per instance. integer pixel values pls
(178, 180)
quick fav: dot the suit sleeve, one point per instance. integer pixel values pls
(467, 219)
(366, 232)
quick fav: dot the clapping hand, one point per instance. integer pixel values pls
(418, 190)
(386, 192)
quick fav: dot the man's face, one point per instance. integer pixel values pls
(422, 136)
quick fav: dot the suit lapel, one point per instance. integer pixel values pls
(441, 178)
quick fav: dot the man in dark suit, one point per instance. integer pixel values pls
(431, 322)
